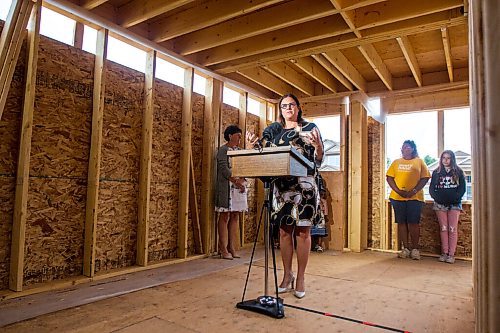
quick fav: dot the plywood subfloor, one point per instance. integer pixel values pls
(200, 296)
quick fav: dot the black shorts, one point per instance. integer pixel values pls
(407, 211)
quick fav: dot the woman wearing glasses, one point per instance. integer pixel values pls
(296, 199)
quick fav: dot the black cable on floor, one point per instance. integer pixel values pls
(347, 318)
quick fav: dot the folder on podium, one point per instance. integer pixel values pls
(267, 164)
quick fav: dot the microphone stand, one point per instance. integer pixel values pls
(266, 304)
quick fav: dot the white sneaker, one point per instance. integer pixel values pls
(415, 254)
(443, 257)
(405, 253)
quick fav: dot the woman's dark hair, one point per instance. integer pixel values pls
(412, 144)
(299, 116)
(230, 130)
(456, 172)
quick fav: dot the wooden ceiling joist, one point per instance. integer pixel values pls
(138, 11)
(292, 77)
(317, 72)
(377, 34)
(399, 10)
(333, 70)
(212, 12)
(268, 81)
(298, 11)
(276, 40)
(377, 64)
(91, 4)
(411, 59)
(339, 60)
(447, 51)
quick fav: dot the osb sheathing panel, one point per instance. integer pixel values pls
(120, 156)
(251, 216)
(116, 225)
(63, 112)
(165, 157)
(7, 191)
(375, 188)
(58, 163)
(229, 116)
(9, 146)
(55, 229)
(197, 151)
(429, 231)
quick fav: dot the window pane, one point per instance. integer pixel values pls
(329, 128)
(4, 9)
(253, 106)
(89, 39)
(457, 130)
(420, 127)
(231, 97)
(126, 55)
(199, 84)
(57, 26)
(169, 72)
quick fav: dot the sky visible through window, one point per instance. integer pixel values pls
(4, 9)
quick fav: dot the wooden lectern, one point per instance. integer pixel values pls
(267, 164)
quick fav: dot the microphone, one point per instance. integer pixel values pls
(269, 133)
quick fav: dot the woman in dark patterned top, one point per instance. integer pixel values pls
(296, 199)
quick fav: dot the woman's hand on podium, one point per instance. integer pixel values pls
(252, 138)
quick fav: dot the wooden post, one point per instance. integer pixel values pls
(384, 222)
(184, 172)
(23, 165)
(440, 133)
(344, 161)
(485, 102)
(11, 40)
(95, 154)
(78, 40)
(193, 206)
(358, 178)
(242, 123)
(145, 168)
(211, 118)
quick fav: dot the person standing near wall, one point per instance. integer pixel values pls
(230, 195)
(407, 176)
(447, 189)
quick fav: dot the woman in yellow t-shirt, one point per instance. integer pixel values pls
(407, 176)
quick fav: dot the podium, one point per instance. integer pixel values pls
(267, 164)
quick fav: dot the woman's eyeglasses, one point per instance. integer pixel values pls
(289, 105)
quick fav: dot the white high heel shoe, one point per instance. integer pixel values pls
(289, 286)
(299, 294)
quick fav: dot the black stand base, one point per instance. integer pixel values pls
(264, 305)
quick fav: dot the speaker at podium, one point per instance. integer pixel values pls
(267, 164)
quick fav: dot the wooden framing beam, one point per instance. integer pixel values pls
(398, 10)
(427, 101)
(333, 70)
(242, 123)
(377, 64)
(411, 59)
(138, 11)
(358, 178)
(447, 51)
(339, 60)
(145, 167)
(252, 84)
(268, 81)
(91, 4)
(211, 13)
(252, 24)
(11, 40)
(16, 275)
(440, 131)
(385, 229)
(91, 210)
(193, 207)
(78, 40)
(276, 40)
(292, 77)
(213, 102)
(185, 156)
(317, 72)
(373, 35)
